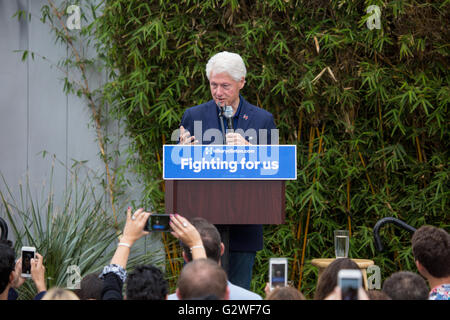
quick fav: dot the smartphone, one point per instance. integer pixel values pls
(349, 280)
(158, 222)
(278, 272)
(28, 253)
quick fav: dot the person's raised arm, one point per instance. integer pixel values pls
(188, 234)
(133, 231)
(114, 275)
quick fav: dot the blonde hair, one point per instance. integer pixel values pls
(228, 62)
(60, 294)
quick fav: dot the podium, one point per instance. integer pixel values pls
(228, 185)
(227, 201)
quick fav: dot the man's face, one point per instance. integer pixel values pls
(225, 90)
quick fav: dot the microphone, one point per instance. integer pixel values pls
(222, 127)
(228, 114)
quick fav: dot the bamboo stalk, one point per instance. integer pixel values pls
(367, 175)
(321, 138)
(158, 158)
(308, 216)
(175, 253)
(311, 140)
(348, 208)
(419, 153)
(172, 268)
(294, 267)
(382, 143)
(258, 101)
(163, 185)
(304, 247)
(299, 229)
(300, 122)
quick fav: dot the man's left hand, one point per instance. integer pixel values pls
(234, 138)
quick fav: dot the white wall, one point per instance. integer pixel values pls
(35, 113)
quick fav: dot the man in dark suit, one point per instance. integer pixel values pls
(252, 125)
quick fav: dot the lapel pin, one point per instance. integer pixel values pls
(245, 117)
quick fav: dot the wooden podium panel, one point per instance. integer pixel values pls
(227, 201)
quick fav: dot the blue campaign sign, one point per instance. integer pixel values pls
(220, 162)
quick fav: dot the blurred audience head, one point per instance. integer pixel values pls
(431, 250)
(60, 294)
(328, 279)
(91, 287)
(146, 282)
(405, 285)
(210, 238)
(285, 293)
(202, 278)
(377, 295)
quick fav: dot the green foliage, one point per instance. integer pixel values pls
(368, 109)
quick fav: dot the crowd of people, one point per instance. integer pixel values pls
(203, 278)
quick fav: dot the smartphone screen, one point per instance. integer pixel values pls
(278, 275)
(158, 222)
(349, 288)
(26, 261)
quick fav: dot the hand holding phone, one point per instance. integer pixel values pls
(277, 272)
(184, 231)
(134, 226)
(38, 272)
(28, 253)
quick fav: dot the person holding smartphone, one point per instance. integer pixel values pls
(10, 273)
(349, 286)
(114, 274)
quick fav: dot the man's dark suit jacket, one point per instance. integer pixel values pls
(242, 237)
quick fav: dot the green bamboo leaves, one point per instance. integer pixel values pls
(69, 230)
(368, 111)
